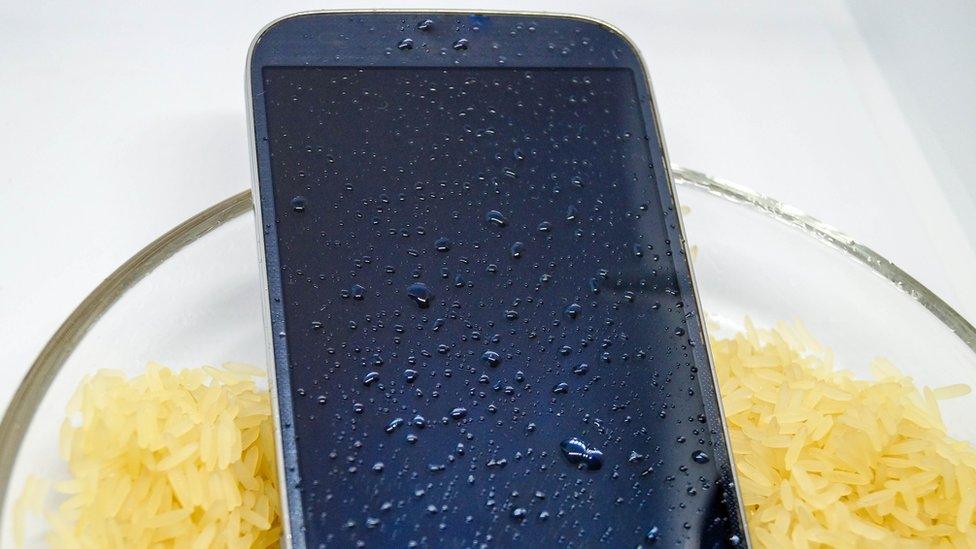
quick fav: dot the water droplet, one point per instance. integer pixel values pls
(420, 294)
(378, 467)
(371, 378)
(545, 226)
(573, 310)
(699, 456)
(519, 513)
(460, 44)
(443, 244)
(492, 358)
(394, 425)
(298, 204)
(578, 453)
(652, 535)
(679, 331)
(405, 44)
(581, 369)
(571, 213)
(517, 249)
(410, 375)
(496, 218)
(358, 292)
(459, 413)
(322, 400)
(425, 25)
(561, 388)
(511, 315)
(594, 286)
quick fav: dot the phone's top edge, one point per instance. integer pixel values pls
(613, 29)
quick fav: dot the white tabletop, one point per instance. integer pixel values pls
(119, 121)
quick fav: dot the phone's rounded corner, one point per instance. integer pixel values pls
(609, 30)
(264, 33)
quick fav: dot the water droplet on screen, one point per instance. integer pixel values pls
(699, 456)
(394, 425)
(420, 294)
(410, 375)
(371, 378)
(594, 285)
(652, 535)
(519, 513)
(573, 310)
(578, 453)
(571, 213)
(581, 369)
(443, 244)
(517, 250)
(496, 218)
(459, 413)
(679, 331)
(425, 25)
(358, 292)
(460, 44)
(298, 204)
(492, 358)
(405, 44)
(561, 388)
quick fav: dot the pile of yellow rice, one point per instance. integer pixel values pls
(825, 459)
(166, 459)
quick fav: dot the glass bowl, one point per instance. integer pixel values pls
(193, 297)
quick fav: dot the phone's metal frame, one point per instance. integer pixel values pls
(290, 453)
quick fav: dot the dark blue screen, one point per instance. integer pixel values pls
(488, 342)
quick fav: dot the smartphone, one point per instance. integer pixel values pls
(480, 310)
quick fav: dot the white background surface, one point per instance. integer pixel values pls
(118, 121)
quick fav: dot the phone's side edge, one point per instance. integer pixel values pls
(688, 263)
(286, 508)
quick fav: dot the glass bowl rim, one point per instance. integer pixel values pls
(25, 401)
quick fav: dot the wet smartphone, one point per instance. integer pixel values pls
(480, 310)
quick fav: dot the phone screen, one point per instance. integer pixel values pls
(487, 335)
